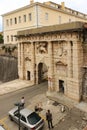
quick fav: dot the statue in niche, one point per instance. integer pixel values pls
(61, 53)
(27, 48)
(62, 50)
(42, 47)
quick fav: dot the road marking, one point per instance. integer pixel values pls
(4, 118)
(2, 122)
(43, 117)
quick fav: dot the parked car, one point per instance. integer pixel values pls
(1, 127)
(29, 119)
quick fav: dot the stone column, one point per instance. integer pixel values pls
(50, 67)
(33, 63)
(74, 83)
(69, 59)
(76, 60)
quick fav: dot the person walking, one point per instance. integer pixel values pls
(22, 102)
(49, 119)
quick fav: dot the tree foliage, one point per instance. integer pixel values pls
(9, 49)
(1, 38)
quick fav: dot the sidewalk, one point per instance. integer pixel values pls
(13, 86)
(61, 98)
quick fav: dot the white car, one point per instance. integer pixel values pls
(29, 119)
(1, 127)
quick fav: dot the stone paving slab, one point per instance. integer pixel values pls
(46, 104)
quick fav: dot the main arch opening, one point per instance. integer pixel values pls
(42, 72)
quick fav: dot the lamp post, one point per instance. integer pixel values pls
(18, 105)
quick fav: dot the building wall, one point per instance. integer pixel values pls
(42, 15)
(12, 29)
(57, 17)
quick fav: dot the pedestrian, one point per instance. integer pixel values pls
(49, 119)
(22, 102)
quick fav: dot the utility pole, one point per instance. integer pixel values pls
(18, 105)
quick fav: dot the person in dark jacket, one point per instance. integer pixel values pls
(49, 119)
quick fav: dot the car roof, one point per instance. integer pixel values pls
(25, 112)
(1, 128)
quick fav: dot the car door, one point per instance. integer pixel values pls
(24, 123)
(17, 116)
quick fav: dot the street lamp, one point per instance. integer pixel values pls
(18, 105)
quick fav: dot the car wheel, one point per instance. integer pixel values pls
(10, 117)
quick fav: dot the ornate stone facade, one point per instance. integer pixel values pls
(55, 55)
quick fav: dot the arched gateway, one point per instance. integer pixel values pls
(42, 72)
(58, 52)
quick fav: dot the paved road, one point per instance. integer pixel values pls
(7, 101)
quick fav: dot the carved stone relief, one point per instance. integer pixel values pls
(42, 47)
(27, 52)
(61, 52)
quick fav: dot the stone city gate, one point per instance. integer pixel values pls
(56, 53)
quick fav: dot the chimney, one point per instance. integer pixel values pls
(63, 5)
(31, 1)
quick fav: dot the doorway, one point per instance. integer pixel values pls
(28, 75)
(61, 86)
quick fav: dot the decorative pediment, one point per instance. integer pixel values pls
(61, 63)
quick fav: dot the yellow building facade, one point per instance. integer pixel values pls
(37, 15)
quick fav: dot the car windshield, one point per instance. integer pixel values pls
(33, 118)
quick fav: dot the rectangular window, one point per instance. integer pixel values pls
(7, 38)
(15, 20)
(24, 18)
(59, 19)
(19, 19)
(7, 22)
(46, 16)
(10, 21)
(30, 16)
(11, 37)
(15, 39)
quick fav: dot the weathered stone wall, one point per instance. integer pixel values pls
(85, 53)
(63, 53)
(8, 68)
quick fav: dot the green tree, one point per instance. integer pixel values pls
(9, 49)
(1, 38)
